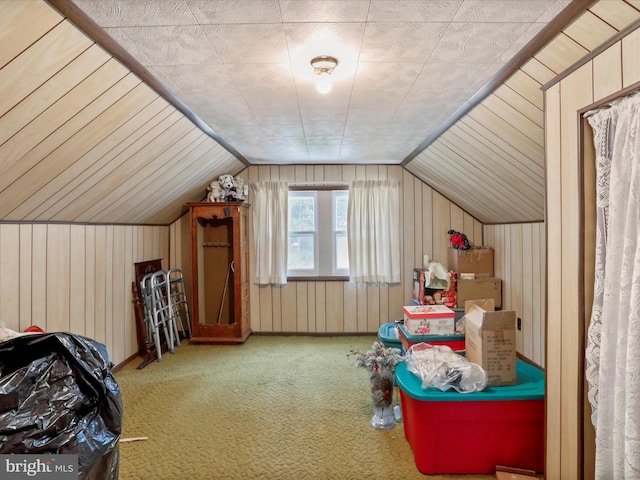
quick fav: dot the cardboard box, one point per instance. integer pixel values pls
(490, 341)
(480, 288)
(487, 304)
(477, 260)
(429, 319)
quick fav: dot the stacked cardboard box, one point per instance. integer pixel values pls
(474, 268)
(479, 288)
(476, 260)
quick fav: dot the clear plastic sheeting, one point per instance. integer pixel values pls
(58, 396)
(440, 367)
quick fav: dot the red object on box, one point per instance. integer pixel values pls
(454, 342)
(463, 433)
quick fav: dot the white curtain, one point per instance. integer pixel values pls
(270, 232)
(613, 347)
(373, 230)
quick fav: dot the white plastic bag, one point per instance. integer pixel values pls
(440, 367)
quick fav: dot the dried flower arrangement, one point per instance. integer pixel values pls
(379, 358)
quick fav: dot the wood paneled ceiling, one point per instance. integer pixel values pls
(87, 137)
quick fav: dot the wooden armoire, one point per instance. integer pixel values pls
(219, 272)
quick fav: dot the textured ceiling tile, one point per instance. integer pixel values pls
(378, 116)
(272, 118)
(400, 42)
(324, 139)
(129, 45)
(172, 45)
(290, 154)
(386, 75)
(198, 78)
(447, 78)
(216, 99)
(324, 115)
(94, 12)
(280, 143)
(259, 43)
(236, 118)
(410, 114)
(555, 8)
(413, 10)
(367, 154)
(367, 98)
(294, 130)
(324, 10)
(502, 10)
(266, 77)
(519, 44)
(316, 128)
(274, 100)
(130, 13)
(235, 11)
(322, 153)
(477, 42)
(363, 130)
(245, 134)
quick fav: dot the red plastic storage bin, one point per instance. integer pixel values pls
(463, 433)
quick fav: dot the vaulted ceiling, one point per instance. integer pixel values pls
(120, 111)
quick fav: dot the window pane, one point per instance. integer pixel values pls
(301, 213)
(301, 252)
(342, 251)
(341, 212)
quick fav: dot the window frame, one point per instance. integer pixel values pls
(322, 241)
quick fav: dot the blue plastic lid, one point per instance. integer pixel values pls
(388, 336)
(530, 386)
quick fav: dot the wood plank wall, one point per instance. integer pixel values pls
(76, 278)
(303, 307)
(611, 71)
(339, 307)
(519, 260)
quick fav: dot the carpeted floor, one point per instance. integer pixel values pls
(275, 408)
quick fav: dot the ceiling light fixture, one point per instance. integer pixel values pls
(323, 66)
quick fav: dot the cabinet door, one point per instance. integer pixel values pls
(218, 269)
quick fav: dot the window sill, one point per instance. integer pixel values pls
(317, 279)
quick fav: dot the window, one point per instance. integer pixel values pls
(317, 223)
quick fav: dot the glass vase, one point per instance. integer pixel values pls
(382, 383)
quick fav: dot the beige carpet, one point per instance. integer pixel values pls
(274, 408)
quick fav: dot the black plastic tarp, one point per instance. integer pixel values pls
(58, 396)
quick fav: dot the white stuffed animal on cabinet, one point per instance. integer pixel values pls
(227, 189)
(214, 192)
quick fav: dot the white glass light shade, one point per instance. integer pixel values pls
(323, 83)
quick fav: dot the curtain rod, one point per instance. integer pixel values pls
(319, 185)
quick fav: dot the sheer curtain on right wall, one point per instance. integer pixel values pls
(613, 347)
(373, 231)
